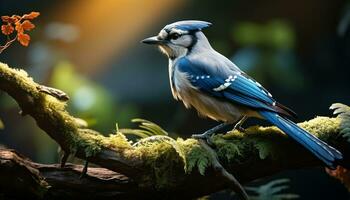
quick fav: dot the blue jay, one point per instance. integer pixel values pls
(204, 79)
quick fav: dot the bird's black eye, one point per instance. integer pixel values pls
(174, 36)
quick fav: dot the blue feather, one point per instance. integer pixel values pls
(188, 25)
(323, 151)
(242, 90)
(246, 101)
(250, 88)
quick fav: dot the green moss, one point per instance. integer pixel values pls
(165, 157)
(92, 142)
(230, 150)
(21, 78)
(323, 127)
(163, 161)
(236, 146)
(195, 154)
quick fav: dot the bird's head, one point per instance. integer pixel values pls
(179, 38)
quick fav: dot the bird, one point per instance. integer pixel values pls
(203, 78)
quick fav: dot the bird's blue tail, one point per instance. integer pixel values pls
(323, 151)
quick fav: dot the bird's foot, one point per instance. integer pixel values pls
(239, 128)
(204, 136)
(207, 135)
(238, 125)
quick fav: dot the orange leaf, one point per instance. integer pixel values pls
(27, 25)
(23, 39)
(8, 19)
(31, 15)
(342, 174)
(19, 27)
(5, 18)
(7, 29)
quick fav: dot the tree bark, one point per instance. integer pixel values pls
(21, 177)
(158, 167)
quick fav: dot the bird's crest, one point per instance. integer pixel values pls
(188, 25)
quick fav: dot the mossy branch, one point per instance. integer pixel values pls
(160, 166)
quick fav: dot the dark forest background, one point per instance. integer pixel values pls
(299, 50)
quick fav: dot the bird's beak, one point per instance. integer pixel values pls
(152, 40)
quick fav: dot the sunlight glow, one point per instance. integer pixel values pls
(109, 27)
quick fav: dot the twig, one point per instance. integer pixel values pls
(233, 183)
(8, 43)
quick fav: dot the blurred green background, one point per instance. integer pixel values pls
(299, 50)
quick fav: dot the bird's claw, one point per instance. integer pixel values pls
(239, 128)
(203, 136)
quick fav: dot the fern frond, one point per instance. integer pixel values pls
(146, 129)
(343, 112)
(136, 132)
(151, 127)
(271, 191)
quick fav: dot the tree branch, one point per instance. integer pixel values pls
(159, 166)
(53, 182)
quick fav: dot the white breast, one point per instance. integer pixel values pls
(206, 105)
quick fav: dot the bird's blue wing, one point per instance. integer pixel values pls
(229, 85)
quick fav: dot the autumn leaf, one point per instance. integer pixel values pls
(31, 15)
(5, 18)
(19, 27)
(342, 174)
(27, 25)
(23, 39)
(7, 29)
(8, 19)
